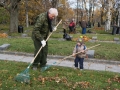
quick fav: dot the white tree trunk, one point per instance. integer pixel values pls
(108, 15)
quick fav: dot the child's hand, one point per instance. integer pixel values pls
(83, 51)
(73, 55)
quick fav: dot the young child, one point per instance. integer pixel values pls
(79, 58)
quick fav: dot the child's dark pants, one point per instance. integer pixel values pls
(80, 60)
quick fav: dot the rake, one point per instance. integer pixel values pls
(24, 77)
(59, 61)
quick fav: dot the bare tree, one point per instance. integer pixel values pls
(26, 12)
(54, 3)
(109, 6)
(12, 7)
(117, 7)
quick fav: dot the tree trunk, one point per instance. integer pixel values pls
(108, 20)
(55, 5)
(101, 18)
(118, 20)
(26, 13)
(14, 16)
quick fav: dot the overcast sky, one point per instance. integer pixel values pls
(73, 3)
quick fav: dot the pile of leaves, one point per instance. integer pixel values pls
(57, 79)
(83, 38)
(3, 35)
(86, 38)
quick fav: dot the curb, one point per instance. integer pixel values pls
(90, 60)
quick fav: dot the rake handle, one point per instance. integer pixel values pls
(42, 46)
(56, 27)
(75, 54)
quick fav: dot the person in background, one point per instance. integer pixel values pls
(42, 28)
(83, 25)
(64, 26)
(79, 58)
(72, 26)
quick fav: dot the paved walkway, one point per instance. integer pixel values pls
(91, 64)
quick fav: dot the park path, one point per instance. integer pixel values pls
(91, 64)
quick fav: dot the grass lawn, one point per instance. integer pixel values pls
(108, 51)
(57, 78)
(60, 78)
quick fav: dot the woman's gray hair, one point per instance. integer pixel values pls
(53, 11)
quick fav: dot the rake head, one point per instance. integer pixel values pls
(45, 68)
(23, 77)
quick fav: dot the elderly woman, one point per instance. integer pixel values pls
(42, 27)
